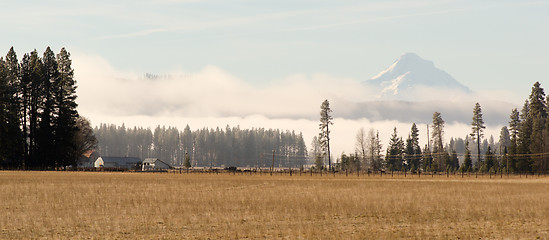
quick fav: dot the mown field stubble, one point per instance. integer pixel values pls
(226, 206)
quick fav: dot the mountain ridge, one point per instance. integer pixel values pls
(408, 78)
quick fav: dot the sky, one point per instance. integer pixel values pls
(272, 63)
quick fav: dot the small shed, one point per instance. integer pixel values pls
(154, 164)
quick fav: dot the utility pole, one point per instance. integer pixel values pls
(429, 147)
(272, 164)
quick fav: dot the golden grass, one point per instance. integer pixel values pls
(225, 206)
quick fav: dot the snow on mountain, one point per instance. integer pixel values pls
(412, 78)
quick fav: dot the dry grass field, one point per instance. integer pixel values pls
(98, 205)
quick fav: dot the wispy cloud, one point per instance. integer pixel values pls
(293, 20)
(327, 15)
(134, 34)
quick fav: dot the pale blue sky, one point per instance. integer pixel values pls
(483, 44)
(251, 61)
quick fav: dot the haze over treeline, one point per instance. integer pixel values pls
(229, 146)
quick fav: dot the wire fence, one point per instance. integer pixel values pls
(354, 174)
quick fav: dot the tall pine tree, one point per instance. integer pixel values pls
(525, 139)
(439, 161)
(514, 129)
(324, 126)
(64, 125)
(477, 129)
(537, 115)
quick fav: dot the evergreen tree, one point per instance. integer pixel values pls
(514, 127)
(187, 163)
(523, 162)
(187, 140)
(477, 129)
(537, 116)
(413, 150)
(439, 162)
(349, 162)
(505, 160)
(490, 163)
(454, 161)
(13, 139)
(301, 151)
(467, 162)
(460, 146)
(4, 113)
(393, 159)
(504, 139)
(46, 142)
(65, 124)
(324, 126)
(503, 145)
(427, 163)
(35, 99)
(25, 93)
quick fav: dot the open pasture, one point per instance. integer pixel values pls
(101, 205)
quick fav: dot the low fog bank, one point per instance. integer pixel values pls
(214, 98)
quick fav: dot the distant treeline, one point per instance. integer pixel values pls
(205, 147)
(38, 116)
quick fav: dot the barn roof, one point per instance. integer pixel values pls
(121, 160)
(153, 160)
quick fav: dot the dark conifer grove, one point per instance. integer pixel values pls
(38, 113)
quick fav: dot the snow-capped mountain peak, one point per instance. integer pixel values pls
(408, 75)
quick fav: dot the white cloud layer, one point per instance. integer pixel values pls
(214, 98)
(210, 92)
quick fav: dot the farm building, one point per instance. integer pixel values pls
(89, 160)
(119, 162)
(154, 164)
